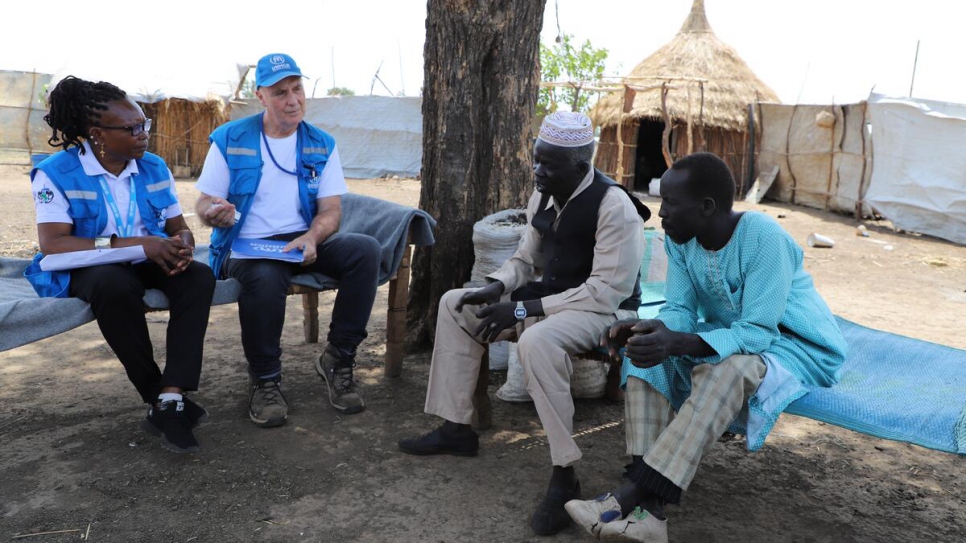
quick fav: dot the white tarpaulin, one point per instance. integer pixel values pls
(22, 111)
(919, 172)
(376, 135)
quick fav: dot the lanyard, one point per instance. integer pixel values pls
(271, 156)
(124, 231)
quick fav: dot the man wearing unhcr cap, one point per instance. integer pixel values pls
(585, 236)
(273, 176)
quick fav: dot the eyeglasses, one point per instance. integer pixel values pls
(134, 129)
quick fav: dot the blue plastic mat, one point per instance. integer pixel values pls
(897, 388)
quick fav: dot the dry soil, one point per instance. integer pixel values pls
(75, 466)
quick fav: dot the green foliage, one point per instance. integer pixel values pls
(563, 62)
(42, 95)
(340, 91)
(248, 89)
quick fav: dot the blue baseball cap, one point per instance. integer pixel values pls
(273, 68)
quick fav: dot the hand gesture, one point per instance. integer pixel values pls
(221, 213)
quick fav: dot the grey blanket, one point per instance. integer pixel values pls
(25, 318)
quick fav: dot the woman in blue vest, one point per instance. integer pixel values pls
(103, 191)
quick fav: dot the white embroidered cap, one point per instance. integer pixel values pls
(567, 129)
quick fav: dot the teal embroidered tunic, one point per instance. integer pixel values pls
(750, 297)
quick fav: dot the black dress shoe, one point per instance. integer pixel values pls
(436, 442)
(550, 516)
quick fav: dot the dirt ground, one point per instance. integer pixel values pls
(74, 464)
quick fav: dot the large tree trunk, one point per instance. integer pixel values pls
(479, 95)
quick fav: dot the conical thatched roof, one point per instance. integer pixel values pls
(695, 54)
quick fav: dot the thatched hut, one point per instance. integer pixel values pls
(693, 94)
(180, 131)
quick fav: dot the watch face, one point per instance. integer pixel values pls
(520, 313)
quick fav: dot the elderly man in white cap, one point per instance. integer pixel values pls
(574, 274)
(274, 178)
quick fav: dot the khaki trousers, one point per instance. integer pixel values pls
(674, 444)
(545, 346)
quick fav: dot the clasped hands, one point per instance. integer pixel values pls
(172, 254)
(648, 342)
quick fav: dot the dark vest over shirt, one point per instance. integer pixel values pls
(569, 251)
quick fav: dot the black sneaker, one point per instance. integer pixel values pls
(336, 370)
(195, 412)
(267, 406)
(168, 419)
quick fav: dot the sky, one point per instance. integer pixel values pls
(808, 51)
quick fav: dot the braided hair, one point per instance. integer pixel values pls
(75, 105)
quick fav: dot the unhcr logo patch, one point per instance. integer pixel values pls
(278, 62)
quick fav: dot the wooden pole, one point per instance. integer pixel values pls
(831, 159)
(482, 409)
(704, 143)
(626, 108)
(30, 108)
(861, 194)
(914, 63)
(666, 136)
(690, 126)
(620, 150)
(788, 137)
(396, 323)
(750, 177)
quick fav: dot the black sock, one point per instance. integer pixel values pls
(455, 429)
(563, 477)
(654, 505)
(628, 496)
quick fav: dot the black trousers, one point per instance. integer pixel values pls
(352, 259)
(115, 292)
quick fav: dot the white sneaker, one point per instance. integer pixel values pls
(639, 526)
(592, 514)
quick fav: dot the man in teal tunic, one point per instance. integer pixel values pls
(742, 330)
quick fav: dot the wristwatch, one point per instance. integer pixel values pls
(102, 243)
(520, 312)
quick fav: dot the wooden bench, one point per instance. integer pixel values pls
(26, 318)
(395, 314)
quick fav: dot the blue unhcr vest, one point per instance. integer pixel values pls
(240, 143)
(88, 210)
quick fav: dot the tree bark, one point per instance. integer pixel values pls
(480, 91)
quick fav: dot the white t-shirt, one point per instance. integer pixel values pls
(276, 208)
(51, 205)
